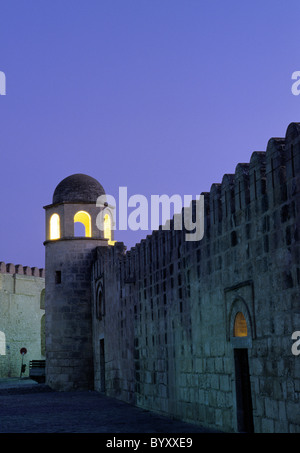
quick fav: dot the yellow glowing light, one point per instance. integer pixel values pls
(240, 325)
(54, 227)
(107, 229)
(84, 218)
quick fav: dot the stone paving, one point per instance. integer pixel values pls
(28, 407)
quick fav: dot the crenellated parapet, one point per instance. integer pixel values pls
(267, 181)
(236, 210)
(267, 185)
(264, 184)
(21, 270)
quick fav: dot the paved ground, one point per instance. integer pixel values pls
(28, 407)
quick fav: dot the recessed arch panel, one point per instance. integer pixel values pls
(100, 307)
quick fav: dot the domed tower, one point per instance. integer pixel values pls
(69, 258)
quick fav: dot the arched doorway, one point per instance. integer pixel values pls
(240, 342)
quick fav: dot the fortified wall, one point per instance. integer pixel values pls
(22, 310)
(202, 330)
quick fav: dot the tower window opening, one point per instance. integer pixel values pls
(240, 325)
(79, 229)
(85, 219)
(54, 227)
(58, 277)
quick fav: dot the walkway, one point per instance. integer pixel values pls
(28, 407)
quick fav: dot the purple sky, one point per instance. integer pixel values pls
(161, 96)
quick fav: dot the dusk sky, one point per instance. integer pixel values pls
(160, 96)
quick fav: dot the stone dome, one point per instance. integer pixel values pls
(78, 188)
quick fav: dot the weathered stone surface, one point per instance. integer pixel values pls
(173, 320)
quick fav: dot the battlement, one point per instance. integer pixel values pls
(266, 178)
(243, 208)
(21, 270)
(270, 179)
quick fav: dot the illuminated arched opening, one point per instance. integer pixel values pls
(84, 218)
(240, 325)
(54, 226)
(107, 229)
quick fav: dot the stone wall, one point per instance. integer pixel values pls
(165, 309)
(22, 312)
(69, 348)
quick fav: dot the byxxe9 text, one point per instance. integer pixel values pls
(171, 442)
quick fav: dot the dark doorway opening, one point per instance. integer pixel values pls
(243, 392)
(102, 366)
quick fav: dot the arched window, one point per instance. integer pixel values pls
(54, 227)
(240, 325)
(107, 229)
(84, 218)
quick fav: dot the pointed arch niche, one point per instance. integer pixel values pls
(240, 328)
(100, 302)
(239, 298)
(240, 325)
